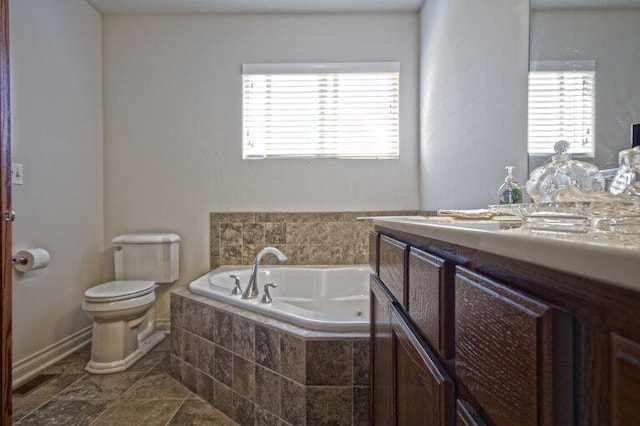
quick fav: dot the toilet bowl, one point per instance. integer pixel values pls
(123, 311)
(118, 309)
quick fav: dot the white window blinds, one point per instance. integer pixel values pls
(562, 106)
(320, 110)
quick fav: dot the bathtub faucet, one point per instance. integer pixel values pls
(252, 288)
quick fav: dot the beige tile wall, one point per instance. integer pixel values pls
(328, 238)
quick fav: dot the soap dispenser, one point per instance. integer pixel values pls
(510, 192)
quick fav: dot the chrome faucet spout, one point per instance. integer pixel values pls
(251, 292)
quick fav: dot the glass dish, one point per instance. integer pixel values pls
(619, 216)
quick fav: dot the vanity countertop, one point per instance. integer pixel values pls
(610, 258)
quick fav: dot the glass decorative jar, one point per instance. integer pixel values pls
(558, 172)
(627, 179)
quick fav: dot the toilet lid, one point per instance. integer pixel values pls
(119, 290)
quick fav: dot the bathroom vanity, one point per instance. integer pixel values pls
(473, 323)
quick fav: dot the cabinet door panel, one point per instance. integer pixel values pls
(424, 393)
(625, 395)
(513, 353)
(381, 356)
(392, 264)
(430, 301)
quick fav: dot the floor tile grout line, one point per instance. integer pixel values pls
(53, 397)
(176, 411)
(111, 402)
(144, 374)
(103, 411)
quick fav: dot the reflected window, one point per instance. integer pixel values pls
(562, 106)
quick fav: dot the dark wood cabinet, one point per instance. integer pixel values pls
(382, 407)
(430, 291)
(464, 337)
(507, 347)
(392, 266)
(625, 401)
(424, 392)
(465, 416)
(374, 239)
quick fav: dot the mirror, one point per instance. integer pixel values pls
(584, 78)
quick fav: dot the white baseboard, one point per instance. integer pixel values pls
(30, 366)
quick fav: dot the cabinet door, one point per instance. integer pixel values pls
(430, 288)
(513, 353)
(393, 266)
(381, 355)
(625, 395)
(424, 393)
(465, 416)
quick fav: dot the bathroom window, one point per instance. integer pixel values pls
(562, 106)
(347, 110)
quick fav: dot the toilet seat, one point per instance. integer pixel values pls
(148, 299)
(118, 290)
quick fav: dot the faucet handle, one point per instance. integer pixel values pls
(266, 297)
(236, 289)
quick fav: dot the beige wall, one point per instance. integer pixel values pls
(473, 99)
(56, 88)
(172, 139)
(172, 87)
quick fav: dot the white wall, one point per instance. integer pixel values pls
(473, 99)
(172, 88)
(56, 101)
(611, 37)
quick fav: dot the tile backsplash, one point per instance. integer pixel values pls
(326, 238)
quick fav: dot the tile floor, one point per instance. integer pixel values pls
(145, 394)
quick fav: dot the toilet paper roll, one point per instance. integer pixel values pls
(35, 259)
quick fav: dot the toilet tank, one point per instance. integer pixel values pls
(149, 257)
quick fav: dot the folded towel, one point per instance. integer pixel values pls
(469, 214)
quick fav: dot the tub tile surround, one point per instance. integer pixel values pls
(325, 238)
(265, 371)
(262, 371)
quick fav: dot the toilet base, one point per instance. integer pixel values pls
(144, 347)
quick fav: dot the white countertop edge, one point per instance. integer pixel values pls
(607, 263)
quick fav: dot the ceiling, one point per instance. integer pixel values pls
(584, 4)
(132, 7)
(128, 7)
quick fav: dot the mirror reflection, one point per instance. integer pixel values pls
(584, 78)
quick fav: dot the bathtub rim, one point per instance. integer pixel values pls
(279, 323)
(265, 321)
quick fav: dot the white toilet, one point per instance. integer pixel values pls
(123, 311)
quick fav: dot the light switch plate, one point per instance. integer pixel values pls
(16, 174)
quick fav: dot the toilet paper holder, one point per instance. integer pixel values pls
(30, 259)
(21, 260)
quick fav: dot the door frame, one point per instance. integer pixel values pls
(5, 221)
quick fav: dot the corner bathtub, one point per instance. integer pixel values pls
(324, 298)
